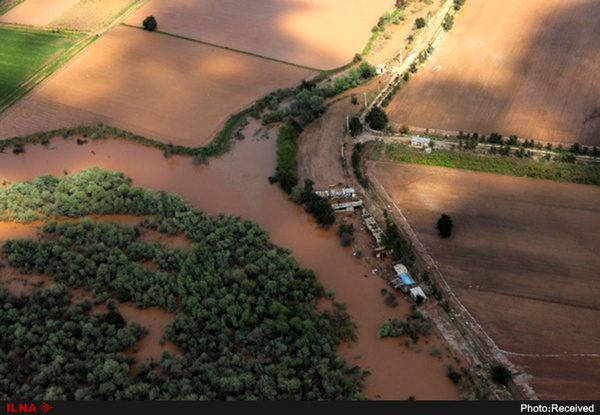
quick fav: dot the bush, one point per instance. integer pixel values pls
(150, 23)
(420, 22)
(500, 375)
(448, 22)
(377, 119)
(356, 127)
(444, 225)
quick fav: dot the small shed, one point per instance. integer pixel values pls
(417, 141)
(380, 69)
(348, 192)
(417, 292)
(403, 280)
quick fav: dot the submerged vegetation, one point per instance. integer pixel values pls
(246, 322)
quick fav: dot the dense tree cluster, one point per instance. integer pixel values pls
(245, 322)
(286, 172)
(377, 118)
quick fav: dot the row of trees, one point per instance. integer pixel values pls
(246, 322)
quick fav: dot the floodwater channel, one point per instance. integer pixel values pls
(237, 183)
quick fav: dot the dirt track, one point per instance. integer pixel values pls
(513, 67)
(150, 84)
(522, 259)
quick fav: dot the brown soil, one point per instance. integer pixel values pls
(314, 33)
(523, 261)
(153, 85)
(37, 12)
(511, 67)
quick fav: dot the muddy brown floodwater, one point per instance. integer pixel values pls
(237, 183)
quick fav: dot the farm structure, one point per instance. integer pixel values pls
(343, 193)
(379, 250)
(519, 239)
(528, 69)
(403, 280)
(419, 141)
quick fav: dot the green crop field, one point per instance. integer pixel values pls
(24, 54)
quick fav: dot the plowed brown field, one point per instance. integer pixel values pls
(513, 67)
(523, 259)
(321, 34)
(155, 85)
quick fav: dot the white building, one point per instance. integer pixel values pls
(417, 141)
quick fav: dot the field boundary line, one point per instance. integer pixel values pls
(215, 45)
(479, 341)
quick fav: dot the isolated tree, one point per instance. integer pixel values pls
(150, 23)
(444, 225)
(500, 374)
(356, 127)
(420, 22)
(377, 118)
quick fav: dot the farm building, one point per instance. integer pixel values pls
(369, 221)
(417, 292)
(343, 193)
(403, 280)
(417, 141)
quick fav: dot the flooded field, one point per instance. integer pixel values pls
(237, 183)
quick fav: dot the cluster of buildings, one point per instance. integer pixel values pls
(404, 282)
(346, 200)
(346, 197)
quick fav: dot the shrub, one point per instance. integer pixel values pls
(377, 118)
(500, 374)
(444, 225)
(150, 24)
(420, 22)
(356, 127)
(448, 22)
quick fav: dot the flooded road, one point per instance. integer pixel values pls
(237, 183)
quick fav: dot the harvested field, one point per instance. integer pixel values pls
(315, 33)
(37, 12)
(513, 67)
(154, 85)
(523, 259)
(67, 14)
(92, 14)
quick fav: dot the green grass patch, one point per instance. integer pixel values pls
(508, 165)
(20, 71)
